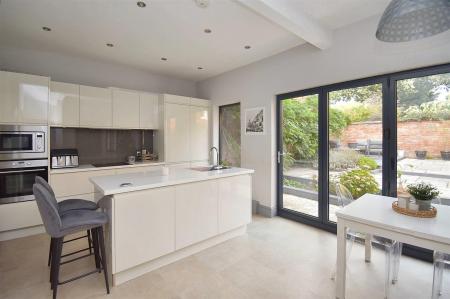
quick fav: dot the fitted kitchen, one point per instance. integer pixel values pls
(144, 160)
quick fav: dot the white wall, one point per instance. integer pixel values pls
(91, 72)
(355, 53)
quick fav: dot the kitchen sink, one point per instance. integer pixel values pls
(210, 168)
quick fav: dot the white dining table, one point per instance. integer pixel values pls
(373, 215)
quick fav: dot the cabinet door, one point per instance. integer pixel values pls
(19, 215)
(199, 102)
(64, 105)
(144, 226)
(235, 202)
(176, 133)
(174, 99)
(74, 183)
(196, 212)
(149, 111)
(95, 107)
(23, 98)
(125, 109)
(199, 133)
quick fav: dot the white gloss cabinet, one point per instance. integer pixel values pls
(19, 215)
(126, 109)
(64, 104)
(149, 111)
(176, 133)
(235, 202)
(95, 107)
(23, 98)
(196, 212)
(199, 133)
(144, 226)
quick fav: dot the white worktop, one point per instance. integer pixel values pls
(90, 167)
(109, 185)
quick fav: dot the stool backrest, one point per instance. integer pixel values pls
(48, 208)
(43, 182)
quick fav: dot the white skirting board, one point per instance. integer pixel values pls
(142, 269)
(22, 232)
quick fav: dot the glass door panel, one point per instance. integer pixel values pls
(355, 142)
(423, 133)
(299, 159)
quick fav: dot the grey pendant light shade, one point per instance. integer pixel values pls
(406, 20)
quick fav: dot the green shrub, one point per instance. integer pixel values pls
(300, 127)
(359, 182)
(436, 110)
(343, 159)
(367, 163)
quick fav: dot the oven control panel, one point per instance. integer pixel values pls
(40, 144)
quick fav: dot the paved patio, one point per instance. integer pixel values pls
(436, 172)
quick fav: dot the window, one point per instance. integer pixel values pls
(230, 134)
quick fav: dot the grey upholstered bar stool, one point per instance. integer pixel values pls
(66, 206)
(58, 226)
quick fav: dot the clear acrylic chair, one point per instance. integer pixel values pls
(440, 260)
(392, 248)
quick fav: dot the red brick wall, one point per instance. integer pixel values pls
(431, 136)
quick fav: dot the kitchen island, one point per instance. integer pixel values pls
(156, 218)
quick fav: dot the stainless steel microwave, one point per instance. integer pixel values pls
(23, 142)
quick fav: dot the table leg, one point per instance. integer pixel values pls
(368, 243)
(341, 260)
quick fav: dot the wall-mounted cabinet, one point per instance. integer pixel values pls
(95, 107)
(176, 132)
(64, 104)
(23, 98)
(149, 111)
(126, 109)
(186, 129)
(199, 133)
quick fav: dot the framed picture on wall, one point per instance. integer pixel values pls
(254, 121)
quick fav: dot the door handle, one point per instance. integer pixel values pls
(279, 156)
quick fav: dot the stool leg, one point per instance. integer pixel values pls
(103, 256)
(56, 260)
(96, 249)
(89, 241)
(50, 252)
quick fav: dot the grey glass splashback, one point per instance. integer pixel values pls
(101, 145)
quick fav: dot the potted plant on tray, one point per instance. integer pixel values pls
(423, 193)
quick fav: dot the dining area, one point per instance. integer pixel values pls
(376, 221)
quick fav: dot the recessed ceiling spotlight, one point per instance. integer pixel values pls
(163, 58)
(199, 68)
(202, 3)
(141, 4)
(247, 47)
(46, 28)
(207, 30)
(110, 45)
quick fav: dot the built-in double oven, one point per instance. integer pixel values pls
(23, 156)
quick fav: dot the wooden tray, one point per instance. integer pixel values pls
(420, 214)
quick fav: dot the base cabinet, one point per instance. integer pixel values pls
(28, 211)
(196, 212)
(144, 226)
(235, 202)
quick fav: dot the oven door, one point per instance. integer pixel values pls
(16, 184)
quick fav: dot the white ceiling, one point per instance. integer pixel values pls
(165, 28)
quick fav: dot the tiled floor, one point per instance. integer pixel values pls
(277, 259)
